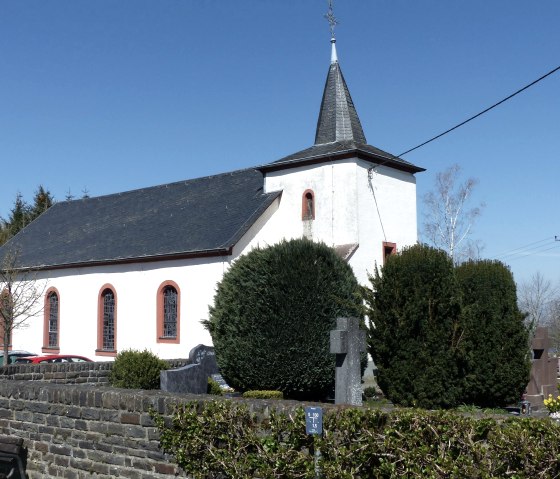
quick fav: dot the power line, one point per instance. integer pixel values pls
(520, 248)
(533, 253)
(528, 250)
(482, 112)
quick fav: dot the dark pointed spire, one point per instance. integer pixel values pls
(338, 119)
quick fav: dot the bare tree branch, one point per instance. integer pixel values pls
(20, 297)
(538, 298)
(448, 220)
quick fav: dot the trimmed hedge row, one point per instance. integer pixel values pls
(225, 439)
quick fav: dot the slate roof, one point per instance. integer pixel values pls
(203, 216)
(339, 132)
(340, 150)
(338, 119)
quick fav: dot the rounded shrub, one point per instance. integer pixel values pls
(496, 339)
(134, 369)
(415, 335)
(272, 316)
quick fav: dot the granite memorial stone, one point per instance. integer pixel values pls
(192, 378)
(347, 342)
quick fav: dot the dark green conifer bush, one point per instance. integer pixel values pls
(416, 328)
(498, 365)
(134, 369)
(272, 316)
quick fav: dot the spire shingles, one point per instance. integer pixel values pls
(338, 119)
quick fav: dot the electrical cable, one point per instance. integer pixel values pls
(520, 248)
(483, 111)
(533, 253)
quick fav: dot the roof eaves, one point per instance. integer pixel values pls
(222, 251)
(394, 162)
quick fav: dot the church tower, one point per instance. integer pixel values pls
(352, 196)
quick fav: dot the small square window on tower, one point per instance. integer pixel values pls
(388, 250)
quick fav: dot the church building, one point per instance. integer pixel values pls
(138, 269)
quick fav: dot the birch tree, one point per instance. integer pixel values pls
(20, 298)
(449, 216)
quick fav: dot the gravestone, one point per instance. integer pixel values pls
(543, 379)
(347, 342)
(192, 378)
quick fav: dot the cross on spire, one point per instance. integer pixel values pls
(331, 18)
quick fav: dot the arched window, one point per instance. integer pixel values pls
(308, 205)
(6, 316)
(107, 322)
(168, 313)
(51, 328)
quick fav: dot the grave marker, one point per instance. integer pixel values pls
(347, 342)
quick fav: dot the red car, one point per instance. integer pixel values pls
(54, 358)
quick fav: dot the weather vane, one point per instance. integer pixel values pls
(331, 18)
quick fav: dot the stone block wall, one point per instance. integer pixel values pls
(81, 431)
(61, 373)
(68, 373)
(86, 431)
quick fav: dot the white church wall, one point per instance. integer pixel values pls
(387, 209)
(335, 197)
(346, 209)
(136, 287)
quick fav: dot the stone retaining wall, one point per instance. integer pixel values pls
(81, 431)
(68, 373)
(89, 431)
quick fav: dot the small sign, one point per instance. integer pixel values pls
(314, 420)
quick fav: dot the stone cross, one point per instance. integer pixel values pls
(347, 342)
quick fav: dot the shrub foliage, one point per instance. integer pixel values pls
(272, 315)
(134, 369)
(415, 328)
(263, 394)
(498, 364)
(225, 439)
(442, 335)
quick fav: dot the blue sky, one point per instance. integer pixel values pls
(112, 95)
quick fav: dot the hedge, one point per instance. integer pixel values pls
(225, 439)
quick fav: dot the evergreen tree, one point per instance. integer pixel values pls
(496, 338)
(42, 201)
(272, 316)
(20, 215)
(415, 333)
(4, 232)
